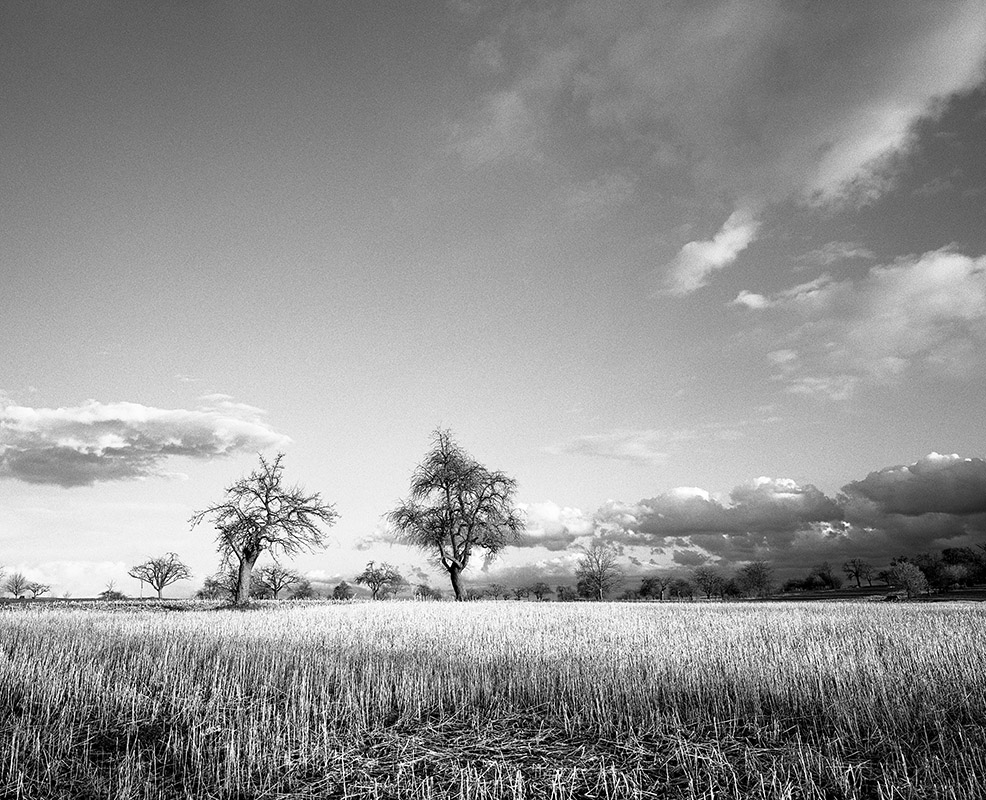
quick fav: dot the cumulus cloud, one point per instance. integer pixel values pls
(553, 527)
(925, 312)
(751, 103)
(936, 502)
(936, 484)
(696, 261)
(95, 442)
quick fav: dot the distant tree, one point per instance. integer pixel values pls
(261, 514)
(302, 590)
(16, 584)
(37, 589)
(217, 587)
(161, 572)
(955, 575)
(457, 506)
(968, 557)
(709, 581)
(222, 585)
(540, 590)
(908, 577)
(933, 567)
(884, 576)
(498, 590)
(566, 594)
(342, 591)
(381, 581)
(681, 589)
(520, 592)
(276, 578)
(598, 571)
(826, 575)
(653, 586)
(110, 593)
(858, 570)
(425, 592)
(756, 578)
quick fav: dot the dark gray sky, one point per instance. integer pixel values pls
(617, 248)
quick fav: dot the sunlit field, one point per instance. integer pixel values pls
(493, 700)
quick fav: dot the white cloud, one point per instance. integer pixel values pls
(925, 311)
(554, 527)
(939, 501)
(82, 445)
(698, 260)
(935, 484)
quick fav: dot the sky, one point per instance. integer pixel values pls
(708, 279)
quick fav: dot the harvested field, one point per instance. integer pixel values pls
(493, 700)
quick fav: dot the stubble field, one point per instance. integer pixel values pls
(493, 700)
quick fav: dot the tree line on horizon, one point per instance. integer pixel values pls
(457, 508)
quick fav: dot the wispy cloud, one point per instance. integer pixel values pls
(95, 442)
(647, 447)
(833, 253)
(753, 103)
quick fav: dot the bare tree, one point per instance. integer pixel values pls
(681, 589)
(756, 578)
(598, 572)
(161, 571)
(277, 578)
(222, 585)
(456, 506)
(37, 589)
(497, 590)
(858, 570)
(425, 592)
(653, 586)
(302, 590)
(16, 584)
(540, 589)
(710, 581)
(261, 514)
(111, 593)
(381, 581)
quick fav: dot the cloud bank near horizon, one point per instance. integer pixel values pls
(937, 502)
(99, 442)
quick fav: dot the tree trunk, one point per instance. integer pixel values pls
(159, 597)
(243, 579)
(453, 574)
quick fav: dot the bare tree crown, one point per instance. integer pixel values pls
(456, 505)
(261, 513)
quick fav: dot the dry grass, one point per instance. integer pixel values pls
(494, 700)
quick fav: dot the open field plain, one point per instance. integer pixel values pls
(493, 700)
